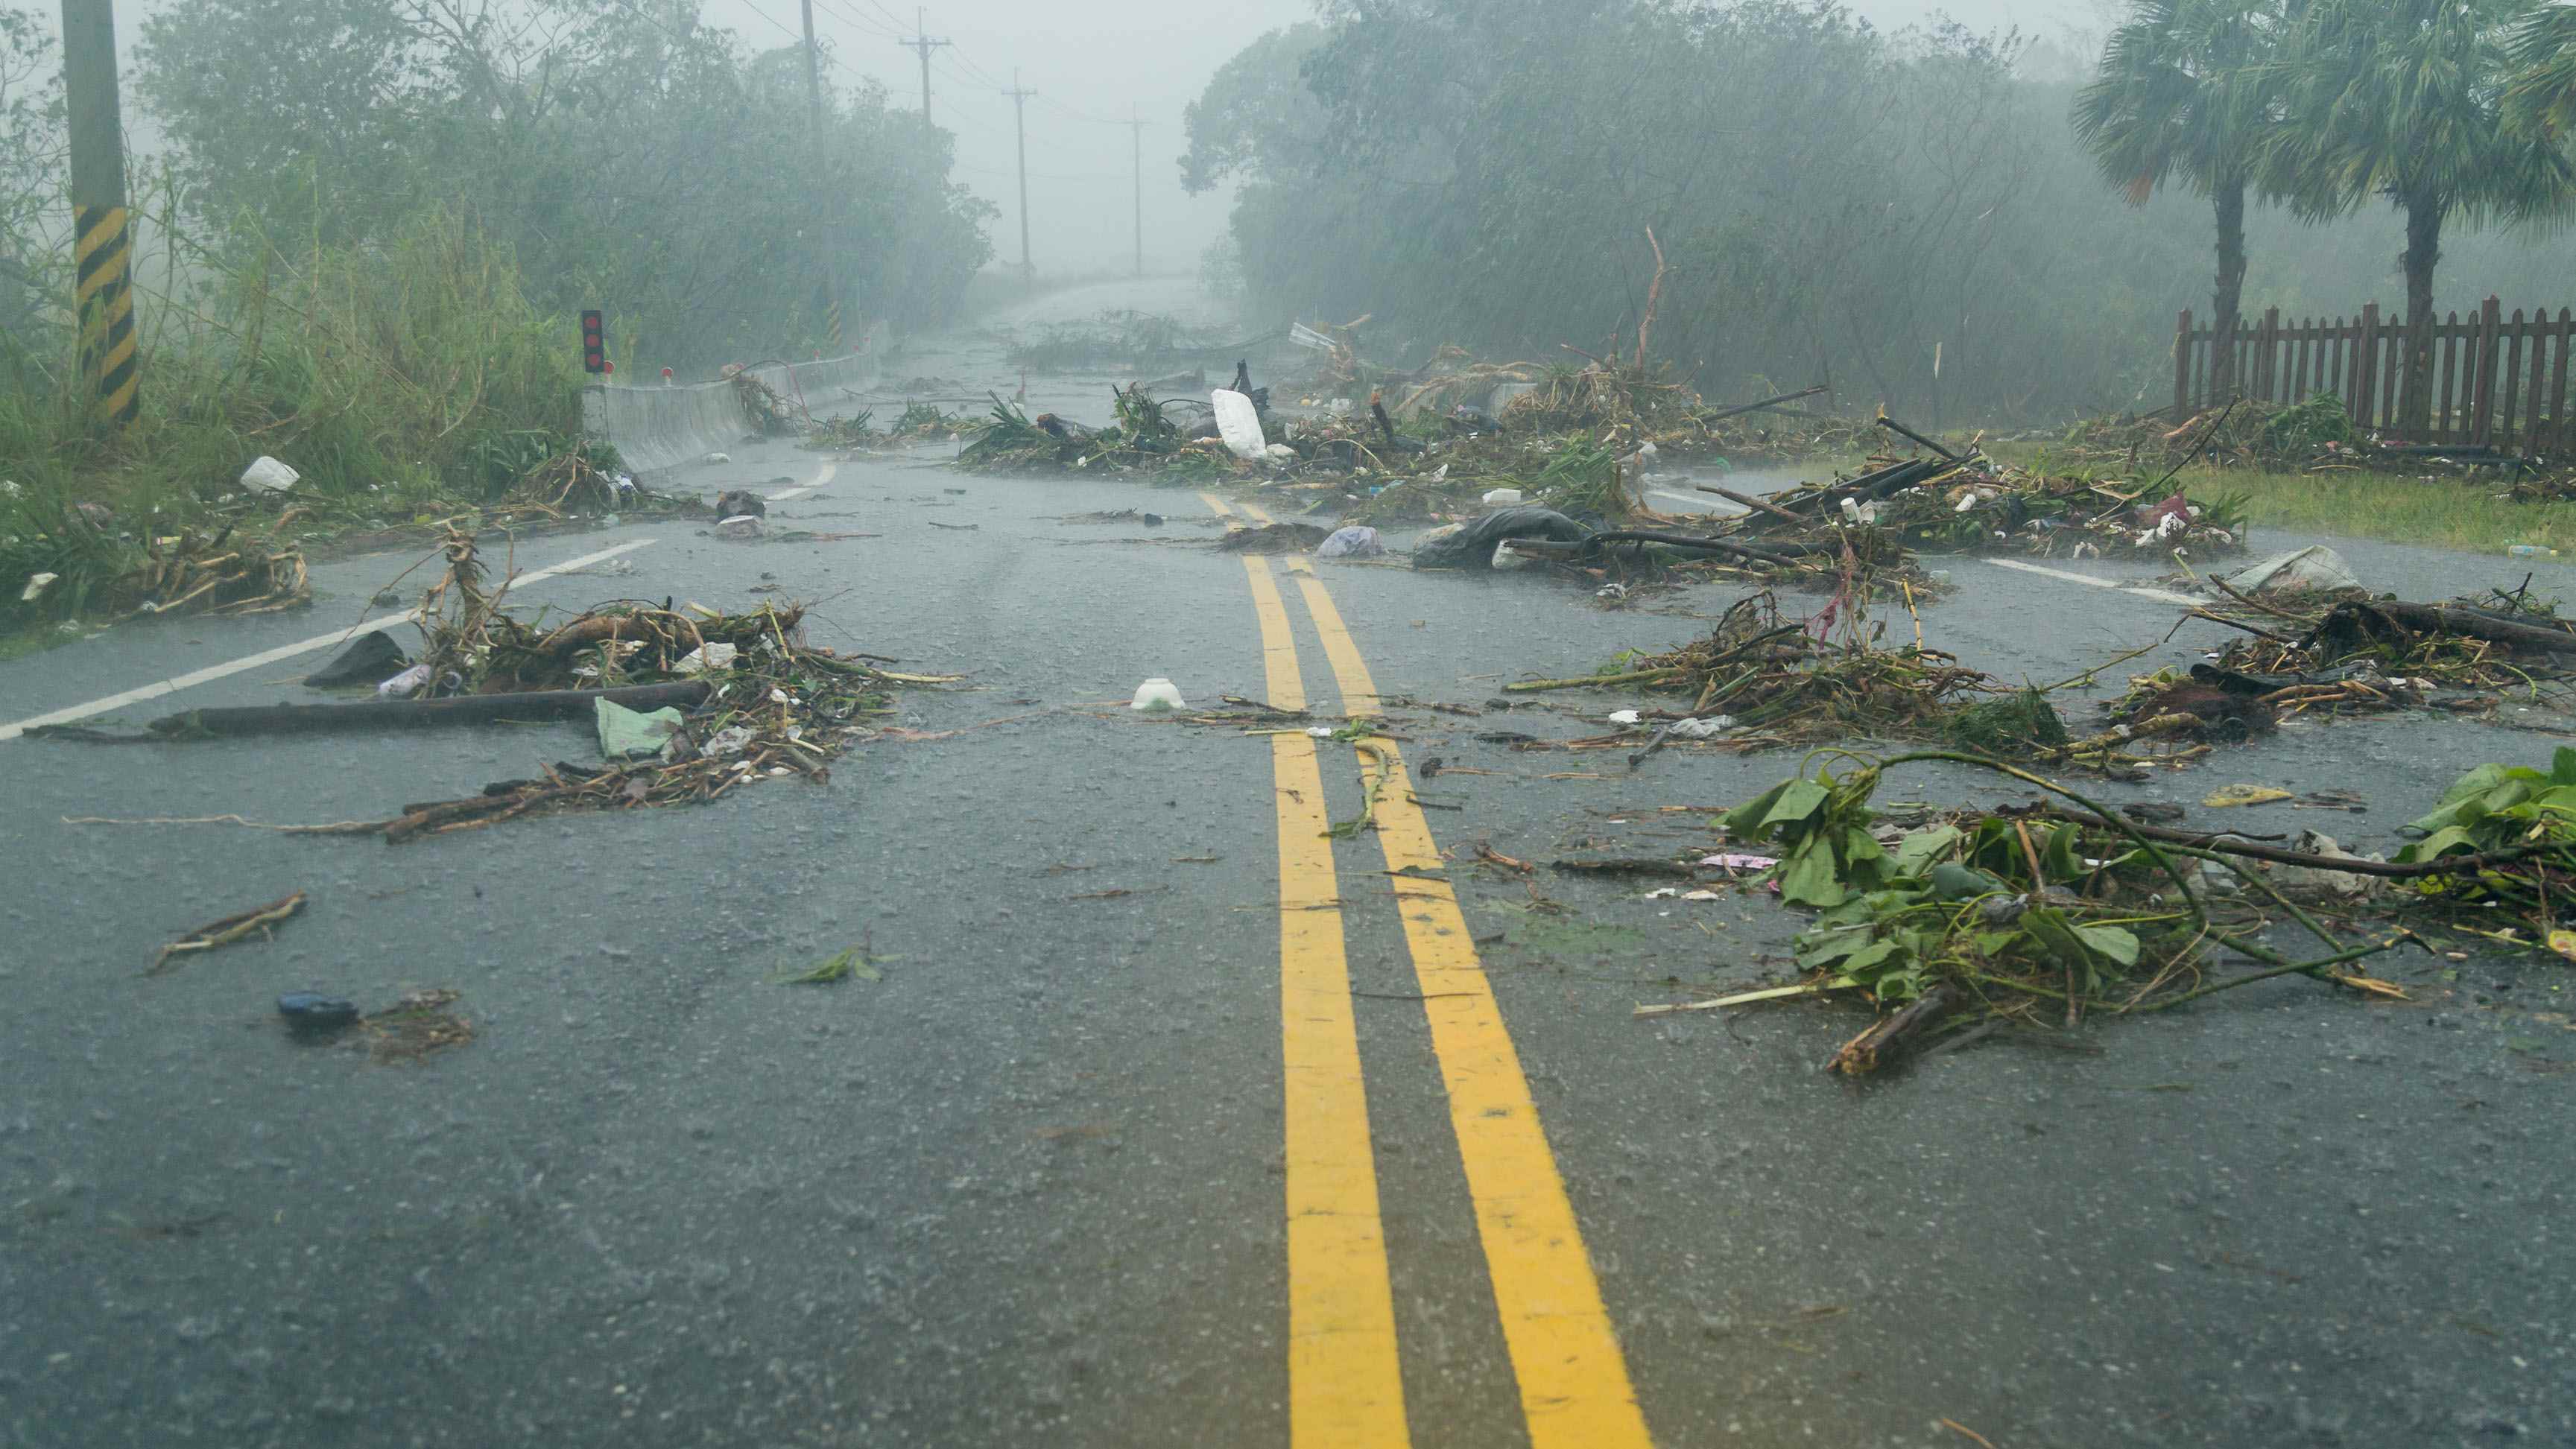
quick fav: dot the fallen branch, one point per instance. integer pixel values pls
(228, 930)
(264, 719)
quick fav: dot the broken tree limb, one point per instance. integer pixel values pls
(1769, 402)
(411, 713)
(1749, 501)
(1747, 998)
(1888, 1034)
(1893, 426)
(2437, 618)
(228, 930)
(2348, 865)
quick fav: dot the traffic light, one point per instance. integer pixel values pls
(594, 348)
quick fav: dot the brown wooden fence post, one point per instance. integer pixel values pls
(2267, 381)
(2182, 366)
(2482, 399)
(2365, 367)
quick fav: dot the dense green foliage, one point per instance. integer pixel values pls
(1910, 216)
(630, 156)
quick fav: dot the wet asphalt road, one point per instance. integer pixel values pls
(1027, 1188)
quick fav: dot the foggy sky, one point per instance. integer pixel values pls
(1093, 64)
(1094, 59)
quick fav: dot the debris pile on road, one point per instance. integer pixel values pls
(732, 698)
(2023, 918)
(2341, 653)
(1953, 502)
(1772, 681)
(763, 407)
(192, 574)
(1274, 538)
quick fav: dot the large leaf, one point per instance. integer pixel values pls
(2112, 943)
(1916, 853)
(1807, 877)
(1801, 799)
(2452, 837)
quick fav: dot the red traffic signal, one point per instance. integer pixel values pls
(594, 347)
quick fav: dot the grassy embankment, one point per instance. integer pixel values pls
(406, 384)
(2441, 510)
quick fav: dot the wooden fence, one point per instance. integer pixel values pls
(2495, 380)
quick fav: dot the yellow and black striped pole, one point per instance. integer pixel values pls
(106, 312)
(102, 229)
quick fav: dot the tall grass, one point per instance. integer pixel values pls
(389, 376)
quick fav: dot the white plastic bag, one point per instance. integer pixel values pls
(1239, 423)
(1503, 496)
(1156, 696)
(268, 475)
(1357, 541)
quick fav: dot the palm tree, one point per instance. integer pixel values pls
(2404, 99)
(2542, 98)
(2184, 89)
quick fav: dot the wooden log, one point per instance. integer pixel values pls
(270, 719)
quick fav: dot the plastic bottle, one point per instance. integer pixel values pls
(2531, 550)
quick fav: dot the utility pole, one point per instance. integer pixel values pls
(101, 236)
(921, 41)
(813, 67)
(1020, 116)
(1136, 134)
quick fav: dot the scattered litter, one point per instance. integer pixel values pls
(1733, 861)
(406, 684)
(1157, 696)
(705, 657)
(236, 927)
(735, 502)
(268, 475)
(365, 660)
(1356, 541)
(1475, 543)
(727, 742)
(36, 583)
(1274, 538)
(1625, 717)
(2314, 569)
(626, 734)
(717, 458)
(2318, 882)
(1700, 729)
(312, 1014)
(1503, 496)
(2231, 795)
(417, 1025)
(854, 964)
(739, 526)
(1238, 423)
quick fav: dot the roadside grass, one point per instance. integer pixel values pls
(405, 382)
(2438, 511)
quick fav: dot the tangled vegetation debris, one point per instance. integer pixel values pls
(1953, 502)
(2034, 917)
(2343, 654)
(1771, 681)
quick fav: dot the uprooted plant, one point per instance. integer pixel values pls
(2000, 918)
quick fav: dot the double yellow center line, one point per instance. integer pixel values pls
(1343, 1385)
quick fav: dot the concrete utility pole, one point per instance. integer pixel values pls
(1020, 116)
(1136, 133)
(101, 235)
(923, 42)
(813, 66)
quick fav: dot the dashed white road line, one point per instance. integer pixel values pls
(786, 495)
(213, 672)
(2162, 596)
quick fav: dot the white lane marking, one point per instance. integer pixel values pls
(283, 651)
(786, 494)
(2164, 596)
